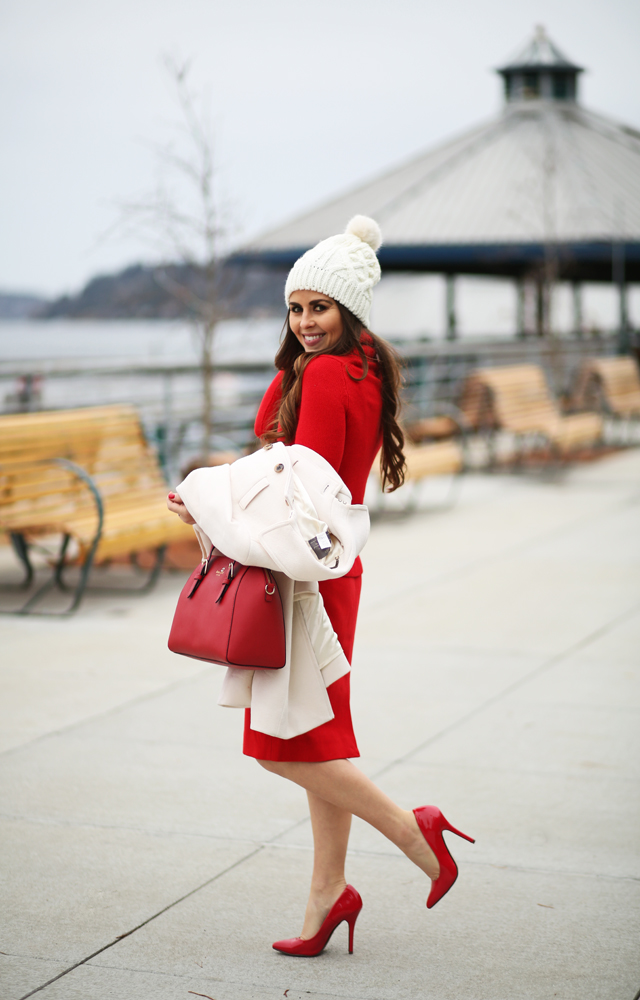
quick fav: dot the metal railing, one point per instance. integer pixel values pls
(169, 396)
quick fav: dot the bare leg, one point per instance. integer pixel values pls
(340, 784)
(331, 826)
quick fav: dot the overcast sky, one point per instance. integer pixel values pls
(307, 100)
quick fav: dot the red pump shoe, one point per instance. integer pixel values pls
(346, 907)
(432, 824)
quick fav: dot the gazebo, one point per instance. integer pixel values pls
(546, 191)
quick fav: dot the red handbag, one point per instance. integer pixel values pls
(231, 614)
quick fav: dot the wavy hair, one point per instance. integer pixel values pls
(292, 359)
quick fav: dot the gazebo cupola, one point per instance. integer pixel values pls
(540, 71)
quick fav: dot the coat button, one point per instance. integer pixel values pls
(279, 467)
(268, 447)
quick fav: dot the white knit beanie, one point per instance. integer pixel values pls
(344, 267)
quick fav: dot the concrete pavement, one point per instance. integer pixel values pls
(497, 673)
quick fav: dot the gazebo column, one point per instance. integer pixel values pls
(618, 274)
(521, 323)
(576, 288)
(623, 319)
(540, 306)
(452, 320)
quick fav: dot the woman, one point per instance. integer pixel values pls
(337, 393)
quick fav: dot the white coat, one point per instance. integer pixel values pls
(264, 510)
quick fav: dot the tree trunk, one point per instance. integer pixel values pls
(208, 418)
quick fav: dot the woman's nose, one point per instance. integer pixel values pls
(307, 319)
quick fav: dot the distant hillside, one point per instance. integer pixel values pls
(141, 292)
(20, 306)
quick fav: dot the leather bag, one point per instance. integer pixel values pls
(231, 614)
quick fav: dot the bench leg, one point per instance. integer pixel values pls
(492, 450)
(56, 580)
(84, 573)
(156, 569)
(454, 488)
(148, 584)
(21, 549)
(59, 566)
(412, 504)
(558, 459)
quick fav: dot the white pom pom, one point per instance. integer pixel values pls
(367, 229)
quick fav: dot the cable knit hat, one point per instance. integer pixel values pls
(344, 267)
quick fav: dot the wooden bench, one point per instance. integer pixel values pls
(516, 398)
(608, 385)
(86, 482)
(439, 458)
(433, 447)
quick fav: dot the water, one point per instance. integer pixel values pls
(142, 341)
(61, 364)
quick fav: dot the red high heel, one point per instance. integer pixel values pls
(432, 824)
(346, 907)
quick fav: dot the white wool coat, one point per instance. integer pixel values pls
(262, 511)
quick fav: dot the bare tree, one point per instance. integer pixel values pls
(184, 217)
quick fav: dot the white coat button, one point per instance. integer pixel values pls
(279, 467)
(268, 447)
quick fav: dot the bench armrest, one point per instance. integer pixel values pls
(453, 411)
(82, 474)
(443, 409)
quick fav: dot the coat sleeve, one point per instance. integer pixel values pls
(322, 418)
(267, 412)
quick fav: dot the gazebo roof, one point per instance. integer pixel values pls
(545, 173)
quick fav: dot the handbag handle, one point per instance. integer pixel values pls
(269, 585)
(197, 580)
(225, 585)
(204, 569)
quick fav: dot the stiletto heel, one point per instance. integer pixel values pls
(432, 824)
(346, 907)
(352, 926)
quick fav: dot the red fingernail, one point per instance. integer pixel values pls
(172, 496)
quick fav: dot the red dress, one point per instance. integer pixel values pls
(339, 418)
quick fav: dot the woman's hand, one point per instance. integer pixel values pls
(175, 504)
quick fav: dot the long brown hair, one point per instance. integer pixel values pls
(292, 359)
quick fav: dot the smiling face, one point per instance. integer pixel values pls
(315, 320)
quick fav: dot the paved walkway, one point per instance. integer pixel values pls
(497, 674)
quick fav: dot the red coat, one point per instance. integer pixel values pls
(339, 418)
